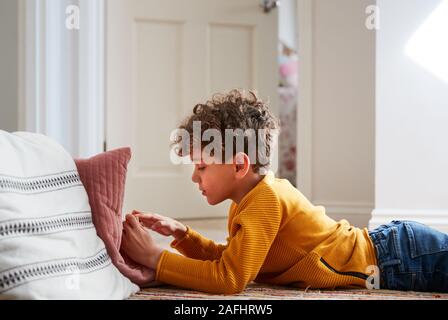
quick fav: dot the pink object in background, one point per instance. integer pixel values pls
(289, 68)
(104, 177)
(289, 73)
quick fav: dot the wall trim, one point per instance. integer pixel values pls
(356, 213)
(437, 219)
(347, 207)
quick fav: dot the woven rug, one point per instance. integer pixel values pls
(265, 292)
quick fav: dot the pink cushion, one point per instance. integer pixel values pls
(104, 177)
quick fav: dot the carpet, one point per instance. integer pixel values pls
(265, 292)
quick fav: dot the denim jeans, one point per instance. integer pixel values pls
(411, 256)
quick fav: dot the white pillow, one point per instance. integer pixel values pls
(49, 248)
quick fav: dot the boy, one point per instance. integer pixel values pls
(276, 236)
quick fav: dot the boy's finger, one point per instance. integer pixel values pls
(162, 228)
(147, 221)
(158, 225)
(150, 215)
(165, 231)
(145, 216)
(127, 226)
(133, 222)
(126, 220)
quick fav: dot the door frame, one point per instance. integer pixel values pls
(304, 150)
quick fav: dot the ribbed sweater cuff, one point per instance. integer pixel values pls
(177, 270)
(159, 265)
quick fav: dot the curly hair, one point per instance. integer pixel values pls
(237, 110)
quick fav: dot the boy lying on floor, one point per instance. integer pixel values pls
(276, 236)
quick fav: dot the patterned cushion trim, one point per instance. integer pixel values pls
(20, 275)
(40, 184)
(46, 225)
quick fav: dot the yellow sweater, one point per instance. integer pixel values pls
(276, 236)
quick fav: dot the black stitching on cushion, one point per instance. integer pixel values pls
(22, 274)
(38, 184)
(65, 222)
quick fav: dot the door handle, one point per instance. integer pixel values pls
(268, 5)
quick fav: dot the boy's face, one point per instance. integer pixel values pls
(215, 181)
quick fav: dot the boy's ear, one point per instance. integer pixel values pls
(242, 164)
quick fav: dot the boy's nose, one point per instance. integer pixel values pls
(195, 176)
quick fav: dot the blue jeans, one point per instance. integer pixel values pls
(411, 256)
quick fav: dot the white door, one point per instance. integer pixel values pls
(163, 57)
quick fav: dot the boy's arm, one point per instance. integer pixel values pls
(240, 262)
(194, 245)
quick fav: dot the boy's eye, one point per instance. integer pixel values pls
(201, 168)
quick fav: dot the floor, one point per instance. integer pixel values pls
(264, 292)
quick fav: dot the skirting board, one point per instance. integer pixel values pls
(357, 220)
(357, 214)
(436, 219)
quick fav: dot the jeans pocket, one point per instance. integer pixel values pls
(424, 240)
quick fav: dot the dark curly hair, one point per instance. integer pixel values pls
(234, 110)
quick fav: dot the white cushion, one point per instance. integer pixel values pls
(49, 248)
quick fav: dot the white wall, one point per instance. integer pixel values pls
(342, 110)
(8, 65)
(412, 116)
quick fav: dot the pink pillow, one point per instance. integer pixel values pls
(104, 177)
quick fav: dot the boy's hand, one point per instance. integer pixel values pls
(138, 244)
(161, 224)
